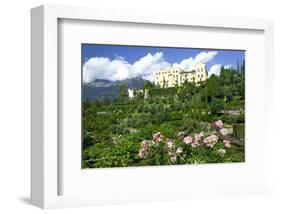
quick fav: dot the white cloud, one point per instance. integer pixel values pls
(120, 69)
(146, 65)
(104, 68)
(228, 66)
(189, 63)
(216, 69)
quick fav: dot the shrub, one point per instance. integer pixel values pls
(167, 130)
(166, 147)
(239, 130)
(241, 118)
(162, 92)
(176, 115)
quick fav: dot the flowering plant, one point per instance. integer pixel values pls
(187, 148)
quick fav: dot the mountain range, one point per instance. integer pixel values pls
(100, 88)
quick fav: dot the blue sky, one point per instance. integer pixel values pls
(121, 62)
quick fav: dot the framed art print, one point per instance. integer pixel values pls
(133, 106)
(155, 106)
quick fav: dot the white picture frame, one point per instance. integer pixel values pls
(45, 146)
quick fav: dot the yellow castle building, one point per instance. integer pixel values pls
(172, 77)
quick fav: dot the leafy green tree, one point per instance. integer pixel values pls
(96, 103)
(186, 91)
(216, 106)
(139, 95)
(226, 76)
(106, 101)
(123, 91)
(147, 84)
(213, 86)
(86, 104)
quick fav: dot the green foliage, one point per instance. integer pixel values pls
(106, 101)
(162, 92)
(213, 86)
(148, 84)
(167, 130)
(216, 106)
(158, 155)
(176, 115)
(123, 91)
(113, 131)
(239, 130)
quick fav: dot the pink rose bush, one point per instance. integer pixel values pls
(211, 140)
(180, 148)
(145, 145)
(187, 140)
(169, 143)
(197, 139)
(227, 144)
(224, 131)
(173, 154)
(157, 137)
(218, 124)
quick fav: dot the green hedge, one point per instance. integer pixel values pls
(162, 92)
(239, 130)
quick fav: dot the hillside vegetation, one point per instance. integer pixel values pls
(186, 124)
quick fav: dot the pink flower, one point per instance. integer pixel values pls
(195, 144)
(211, 140)
(157, 137)
(224, 131)
(170, 147)
(221, 152)
(219, 124)
(169, 143)
(145, 145)
(197, 139)
(227, 144)
(181, 134)
(201, 134)
(187, 140)
(142, 153)
(173, 158)
(179, 151)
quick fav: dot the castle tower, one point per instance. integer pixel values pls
(201, 73)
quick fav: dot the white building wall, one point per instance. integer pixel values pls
(131, 93)
(176, 76)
